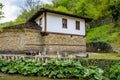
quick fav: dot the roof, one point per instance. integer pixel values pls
(42, 10)
(31, 25)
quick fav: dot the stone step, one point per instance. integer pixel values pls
(82, 55)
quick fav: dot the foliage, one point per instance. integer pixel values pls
(30, 4)
(105, 33)
(89, 9)
(100, 46)
(52, 69)
(104, 64)
(7, 24)
(71, 69)
(1, 13)
(68, 4)
(96, 9)
(28, 14)
(84, 69)
(115, 9)
(62, 9)
(115, 72)
(116, 43)
(30, 8)
(24, 67)
(1, 29)
(19, 20)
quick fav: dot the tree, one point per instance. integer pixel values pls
(1, 13)
(62, 9)
(96, 9)
(115, 9)
(30, 8)
(28, 14)
(80, 8)
(30, 4)
(67, 5)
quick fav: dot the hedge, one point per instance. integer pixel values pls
(104, 64)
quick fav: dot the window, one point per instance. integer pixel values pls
(40, 21)
(64, 23)
(77, 25)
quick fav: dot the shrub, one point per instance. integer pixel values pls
(115, 72)
(71, 69)
(3, 65)
(99, 47)
(104, 64)
(53, 69)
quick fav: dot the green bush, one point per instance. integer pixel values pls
(71, 69)
(52, 69)
(115, 72)
(76, 68)
(99, 46)
(104, 64)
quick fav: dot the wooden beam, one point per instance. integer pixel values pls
(45, 22)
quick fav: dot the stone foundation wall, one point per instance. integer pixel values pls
(18, 40)
(25, 39)
(67, 43)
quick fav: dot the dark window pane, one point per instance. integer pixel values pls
(64, 23)
(77, 25)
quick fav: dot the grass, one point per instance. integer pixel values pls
(116, 43)
(105, 33)
(1, 29)
(101, 33)
(105, 56)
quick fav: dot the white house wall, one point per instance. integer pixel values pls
(38, 20)
(54, 24)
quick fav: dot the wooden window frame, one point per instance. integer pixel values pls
(64, 23)
(77, 25)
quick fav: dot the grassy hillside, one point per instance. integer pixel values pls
(106, 33)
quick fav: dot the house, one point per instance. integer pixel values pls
(47, 30)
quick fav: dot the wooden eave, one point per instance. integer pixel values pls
(42, 10)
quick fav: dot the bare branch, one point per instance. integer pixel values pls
(30, 4)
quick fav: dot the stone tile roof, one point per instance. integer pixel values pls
(31, 25)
